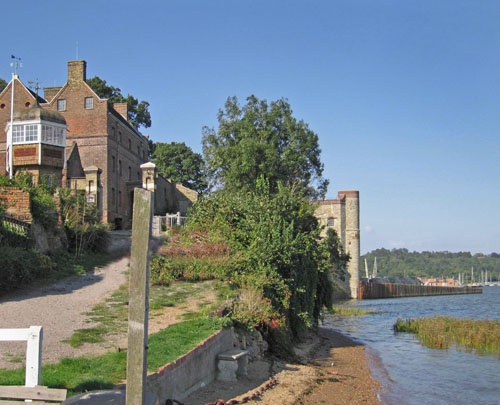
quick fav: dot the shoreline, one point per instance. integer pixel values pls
(334, 370)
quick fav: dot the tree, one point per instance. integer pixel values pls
(275, 235)
(177, 162)
(263, 139)
(3, 84)
(138, 112)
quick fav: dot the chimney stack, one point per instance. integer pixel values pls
(77, 71)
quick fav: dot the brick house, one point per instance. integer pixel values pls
(103, 153)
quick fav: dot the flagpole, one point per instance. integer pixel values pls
(9, 155)
(9, 133)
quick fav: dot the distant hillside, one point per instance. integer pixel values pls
(401, 262)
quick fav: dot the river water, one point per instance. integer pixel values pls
(412, 374)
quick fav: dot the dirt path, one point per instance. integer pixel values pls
(60, 309)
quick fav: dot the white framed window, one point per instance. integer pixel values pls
(18, 133)
(89, 103)
(53, 135)
(25, 133)
(47, 134)
(31, 132)
(61, 104)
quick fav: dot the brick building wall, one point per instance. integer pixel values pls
(24, 99)
(98, 137)
(105, 139)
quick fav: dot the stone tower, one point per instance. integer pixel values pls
(342, 214)
(352, 239)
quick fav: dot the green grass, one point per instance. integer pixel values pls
(103, 372)
(441, 332)
(108, 317)
(348, 311)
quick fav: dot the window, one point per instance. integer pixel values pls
(113, 197)
(61, 104)
(47, 134)
(120, 167)
(119, 198)
(129, 144)
(18, 133)
(330, 222)
(113, 164)
(129, 173)
(89, 103)
(31, 133)
(25, 133)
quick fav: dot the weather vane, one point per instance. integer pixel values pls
(16, 64)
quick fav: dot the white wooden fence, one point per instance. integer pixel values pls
(33, 336)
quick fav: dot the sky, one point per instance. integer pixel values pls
(403, 95)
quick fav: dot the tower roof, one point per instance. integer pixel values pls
(38, 113)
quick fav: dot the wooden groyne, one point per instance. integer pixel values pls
(368, 290)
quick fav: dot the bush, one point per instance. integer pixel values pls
(20, 267)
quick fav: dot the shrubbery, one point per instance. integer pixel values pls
(268, 250)
(21, 267)
(81, 222)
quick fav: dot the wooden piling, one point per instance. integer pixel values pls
(137, 358)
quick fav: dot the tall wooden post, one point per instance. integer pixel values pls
(137, 358)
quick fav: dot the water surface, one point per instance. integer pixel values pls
(412, 374)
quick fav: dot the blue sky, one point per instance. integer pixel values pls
(404, 95)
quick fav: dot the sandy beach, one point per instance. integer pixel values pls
(333, 370)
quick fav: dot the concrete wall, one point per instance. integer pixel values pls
(192, 371)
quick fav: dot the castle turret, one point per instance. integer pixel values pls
(342, 214)
(352, 237)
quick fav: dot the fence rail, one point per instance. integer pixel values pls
(15, 225)
(14, 232)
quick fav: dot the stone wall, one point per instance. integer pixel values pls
(180, 378)
(342, 214)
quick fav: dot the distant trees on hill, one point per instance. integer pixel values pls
(401, 262)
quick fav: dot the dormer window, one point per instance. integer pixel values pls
(89, 103)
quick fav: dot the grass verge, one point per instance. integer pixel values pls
(104, 372)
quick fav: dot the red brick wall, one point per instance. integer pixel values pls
(16, 203)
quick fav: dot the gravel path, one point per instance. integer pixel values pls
(60, 309)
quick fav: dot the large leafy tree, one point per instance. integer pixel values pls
(3, 84)
(282, 258)
(177, 161)
(138, 112)
(263, 139)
